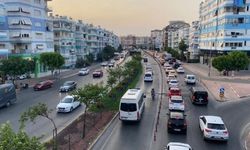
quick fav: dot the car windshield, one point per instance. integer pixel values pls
(190, 77)
(67, 83)
(129, 107)
(83, 69)
(176, 101)
(200, 94)
(173, 81)
(67, 100)
(176, 115)
(148, 75)
(216, 126)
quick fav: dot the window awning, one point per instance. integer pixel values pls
(13, 9)
(15, 34)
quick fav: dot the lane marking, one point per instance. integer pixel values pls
(234, 90)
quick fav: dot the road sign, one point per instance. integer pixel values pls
(222, 90)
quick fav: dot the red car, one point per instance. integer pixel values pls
(43, 85)
(174, 92)
(97, 74)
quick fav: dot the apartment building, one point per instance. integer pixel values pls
(27, 26)
(4, 52)
(174, 32)
(156, 37)
(194, 40)
(142, 42)
(128, 42)
(225, 26)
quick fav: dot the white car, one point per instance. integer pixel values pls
(180, 70)
(83, 71)
(167, 70)
(170, 77)
(67, 104)
(213, 128)
(166, 65)
(104, 64)
(190, 79)
(148, 77)
(173, 83)
(178, 146)
(176, 103)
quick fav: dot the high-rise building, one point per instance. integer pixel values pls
(194, 40)
(156, 37)
(29, 30)
(171, 37)
(128, 42)
(224, 26)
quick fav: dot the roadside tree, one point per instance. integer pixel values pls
(39, 110)
(15, 66)
(92, 96)
(183, 47)
(239, 60)
(10, 140)
(52, 60)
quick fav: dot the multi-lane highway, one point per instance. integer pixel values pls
(140, 136)
(51, 97)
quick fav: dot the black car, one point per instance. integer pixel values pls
(177, 122)
(68, 86)
(199, 95)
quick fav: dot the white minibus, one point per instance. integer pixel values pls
(132, 105)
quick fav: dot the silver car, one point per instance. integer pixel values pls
(68, 86)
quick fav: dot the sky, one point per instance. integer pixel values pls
(125, 17)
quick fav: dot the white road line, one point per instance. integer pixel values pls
(234, 90)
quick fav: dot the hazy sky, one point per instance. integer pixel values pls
(123, 17)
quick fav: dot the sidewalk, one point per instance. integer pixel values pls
(233, 90)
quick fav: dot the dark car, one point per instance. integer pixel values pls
(97, 74)
(199, 95)
(68, 86)
(145, 59)
(177, 122)
(43, 85)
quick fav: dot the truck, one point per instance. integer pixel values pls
(7, 94)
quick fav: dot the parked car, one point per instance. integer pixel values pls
(178, 146)
(177, 122)
(166, 65)
(173, 83)
(97, 74)
(213, 128)
(104, 64)
(43, 85)
(68, 86)
(174, 92)
(180, 70)
(23, 76)
(199, 95)
(68, 104)
(190, 79)
(111, 64)
(176, 103)
(83, 71)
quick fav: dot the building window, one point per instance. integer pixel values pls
(38, 24)
(37, 12)
(37, 1)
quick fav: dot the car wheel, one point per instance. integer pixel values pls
(7, 104)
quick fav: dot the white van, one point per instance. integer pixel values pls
(148, 77)
(132, 105)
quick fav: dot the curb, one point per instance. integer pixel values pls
(106, 127)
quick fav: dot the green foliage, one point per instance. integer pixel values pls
(9, 140)
(52, 60)
(33, 112)
(90, 94)
(120, 49)
(233, 61)
(107, 53)
(16, 66)
(183, 47)
(239, 60)
(174, 53)
(80, 63)
(89, 59)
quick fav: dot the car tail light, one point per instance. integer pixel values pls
(185, 123)
(193, 97)
(138, 115)
(207, 130)
(225, 132)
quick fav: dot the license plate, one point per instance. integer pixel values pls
(177, 130)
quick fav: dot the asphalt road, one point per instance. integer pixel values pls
(139, 136)
(51, 97)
